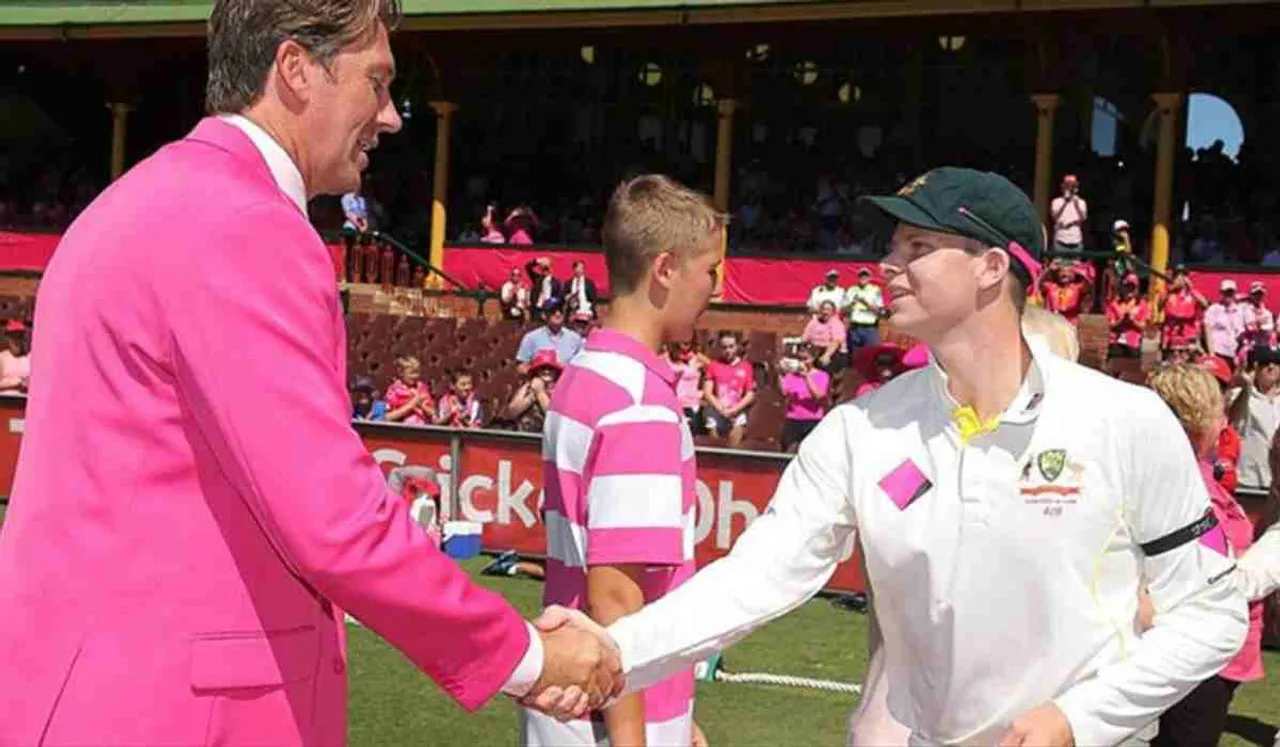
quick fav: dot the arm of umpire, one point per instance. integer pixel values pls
(783, 559)
(1201, 619)
(257, 343)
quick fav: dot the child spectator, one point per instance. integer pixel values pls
(826, 333)
(528, 406)
(729, 391)
(15, 363)
(409, 399)
(806, 389)
(1127, 316)
(460, 407)
(688, 364)
(365, 404)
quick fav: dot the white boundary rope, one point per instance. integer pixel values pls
(761, 678)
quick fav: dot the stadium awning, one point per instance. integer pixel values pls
(51, 19)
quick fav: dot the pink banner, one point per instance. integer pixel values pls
(785, 281)
(26, 252)
(491, 264)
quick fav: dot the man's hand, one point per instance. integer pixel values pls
(1045, 726)
(581, 669)
(699, 739)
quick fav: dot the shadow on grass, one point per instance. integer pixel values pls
(1251, 730)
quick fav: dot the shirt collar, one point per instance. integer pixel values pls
(613, 341)
(1027, 403)
(282, 167)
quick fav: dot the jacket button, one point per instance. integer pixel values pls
(339, 666)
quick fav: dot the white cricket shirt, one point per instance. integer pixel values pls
(1005, 571)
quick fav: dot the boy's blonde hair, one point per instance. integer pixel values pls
(651, 214)
(1054, 329)
(1192, 393)
(408, 363)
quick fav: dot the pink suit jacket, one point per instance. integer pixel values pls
(192, 508)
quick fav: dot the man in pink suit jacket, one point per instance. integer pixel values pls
(192, 510)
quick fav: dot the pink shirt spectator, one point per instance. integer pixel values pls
(15, 371)
(801, 404)
(822, 334)
(399, 394)
(688, 383)
(1247, 666)
(1223, 326)
(461, 413)
(732, 380)
(620, 477)
(520, 236)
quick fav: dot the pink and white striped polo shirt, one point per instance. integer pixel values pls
(619, 477)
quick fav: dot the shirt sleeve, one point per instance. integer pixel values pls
(783, 559)
(635, 489)
(1201, 618)
(1258, 575)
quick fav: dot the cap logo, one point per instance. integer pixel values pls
(913, 185)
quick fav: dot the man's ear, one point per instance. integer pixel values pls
(295, 70)
(993, 266)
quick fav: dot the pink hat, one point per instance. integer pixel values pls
(545, 358)
(14, 325)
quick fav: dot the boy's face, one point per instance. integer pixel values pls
(693, 283)
(462, 386)
(362, 399)
(728, 348)
(410, 375)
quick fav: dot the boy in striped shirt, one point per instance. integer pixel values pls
(618, 459)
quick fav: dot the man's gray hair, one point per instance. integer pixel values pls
(243, 36)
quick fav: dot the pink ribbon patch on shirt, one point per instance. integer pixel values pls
(905, 484)
(1216, 539)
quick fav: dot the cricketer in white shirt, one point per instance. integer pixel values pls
(1005, 560)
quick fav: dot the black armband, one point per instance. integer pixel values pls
(1179, 537)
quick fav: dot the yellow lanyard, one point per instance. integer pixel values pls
(970, 425)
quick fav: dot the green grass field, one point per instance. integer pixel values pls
(391, 704)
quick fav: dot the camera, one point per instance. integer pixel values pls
(789, 365)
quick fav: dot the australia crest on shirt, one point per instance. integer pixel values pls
(1052, 479)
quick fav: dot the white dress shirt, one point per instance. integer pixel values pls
(1258, 575)
(1006, 569)
(289, 179)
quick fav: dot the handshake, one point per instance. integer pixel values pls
(581, 666)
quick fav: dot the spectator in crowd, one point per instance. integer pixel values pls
(830, 206)
(582, 322)
(1065, 289)
(528, 406)
(1224, 323)
(545, 289)
(1127, 317)
(1225, 455)
(580, 292)
(1259, 322)
(521, 224)
(1068, 214)
(807, 389)
(729, 391)
(355, 210)
(827, 334)
(1183, 313)
(15, 362)
(365, 404)
(514, 297)
(460, 407)
(490, 232)
(553, 335)
(829, 290)
(1121, 264)
(1255, 413)
(864, 304)
(1200, 717)
(409, 399)
(688, 364)
(878, 364)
